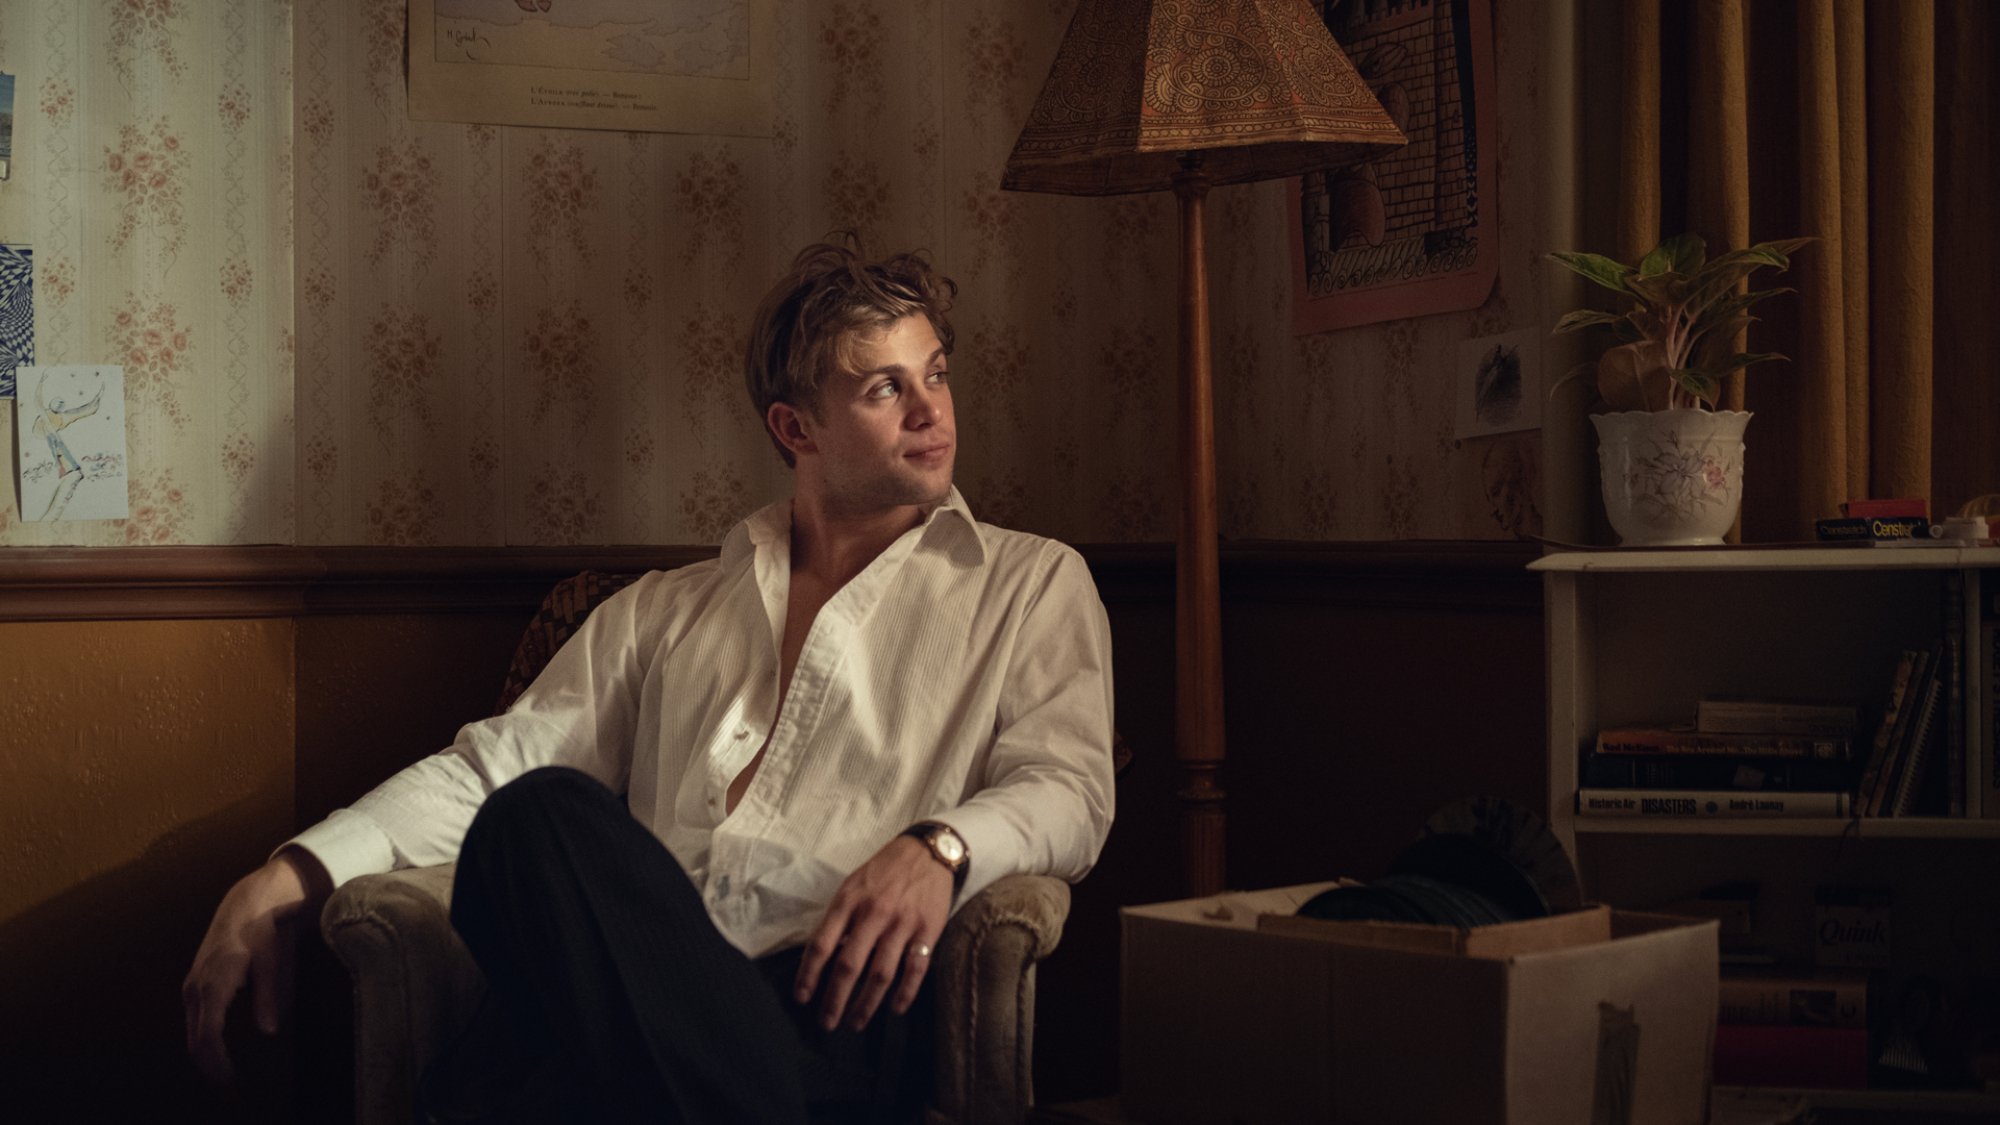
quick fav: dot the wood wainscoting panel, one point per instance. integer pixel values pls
(144, 766)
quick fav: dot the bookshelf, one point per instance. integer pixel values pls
(1636, 638)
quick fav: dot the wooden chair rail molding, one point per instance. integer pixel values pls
(141, 583)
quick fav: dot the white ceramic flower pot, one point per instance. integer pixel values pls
(1672, 478)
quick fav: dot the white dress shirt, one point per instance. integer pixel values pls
(963, 676)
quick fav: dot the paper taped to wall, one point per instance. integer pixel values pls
(71, 426)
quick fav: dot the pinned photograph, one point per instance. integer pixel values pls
(6, 126)
(71, 427)
(17, 313)
(1500, 384)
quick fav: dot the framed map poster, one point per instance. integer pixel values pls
(657, 66)
(1411, 231)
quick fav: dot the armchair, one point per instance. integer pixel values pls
(415, 985)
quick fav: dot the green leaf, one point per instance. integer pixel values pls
(1596, 267)
(1633, 376)
(1745, 359)
(1682, 254)
(1700, 384)
(1712, 343)
(1584, 318)
(1689, 252)
(1723, 329)
(1718, 278)
(1728, 309)
(1660, 290)
(1724, 272)
(1783, 248)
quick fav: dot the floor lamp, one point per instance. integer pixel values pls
(1152, 95)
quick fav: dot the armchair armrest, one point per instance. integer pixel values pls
(415, 984)
(416, 988)
(985, 995)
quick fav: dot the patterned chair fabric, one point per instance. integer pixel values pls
(567, 604)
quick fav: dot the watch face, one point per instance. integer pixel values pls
(949, 847)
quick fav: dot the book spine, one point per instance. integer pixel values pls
(1910, 782)
(1794, 1001)
(1914, 506)
(1653, 741)
(1696, 803)
(1878, 529)
(1825, 1058)
(1899, 690)
(1989, 719)
(1875, 800)
(1693, 771)
(1954, 732)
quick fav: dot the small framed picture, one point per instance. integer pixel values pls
(1500, 384)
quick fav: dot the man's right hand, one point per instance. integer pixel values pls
(249, 942)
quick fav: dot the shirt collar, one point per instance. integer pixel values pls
(961, 517)
(771, 526)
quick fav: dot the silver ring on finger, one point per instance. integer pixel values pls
(919, 949)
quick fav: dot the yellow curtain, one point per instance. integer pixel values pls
(1860, 125)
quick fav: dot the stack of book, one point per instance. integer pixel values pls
(1741, 758)
(1878, 521)
(1807, 1031)
(1989, 718)
(1903, 757)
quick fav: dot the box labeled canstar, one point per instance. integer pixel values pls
(1235, 1009)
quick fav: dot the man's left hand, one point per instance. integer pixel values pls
(879, 930)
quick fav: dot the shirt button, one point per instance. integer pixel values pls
(742, 733)
(722, 887)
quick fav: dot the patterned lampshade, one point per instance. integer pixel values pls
(1258, 88)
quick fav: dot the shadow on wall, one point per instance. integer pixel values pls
(91, 1026)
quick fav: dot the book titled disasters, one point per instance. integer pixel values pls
(1689, 803)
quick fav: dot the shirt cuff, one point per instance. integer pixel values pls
(989, 848)
(347, 844)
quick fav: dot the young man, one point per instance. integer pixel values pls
(733, 815)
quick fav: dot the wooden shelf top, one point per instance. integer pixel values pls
(1872, 828)
(1930, 1101)
(1927, 556)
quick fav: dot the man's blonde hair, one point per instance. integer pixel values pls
(809, 324)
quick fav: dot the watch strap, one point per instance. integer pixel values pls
(928, 831)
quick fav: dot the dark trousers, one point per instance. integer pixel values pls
(614, 998)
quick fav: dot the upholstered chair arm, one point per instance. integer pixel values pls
(416, 988)
(415, 985)
(985, 988)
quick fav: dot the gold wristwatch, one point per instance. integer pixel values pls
(946, 845)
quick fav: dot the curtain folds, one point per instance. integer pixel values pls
(1901, 165)
(1859, 124)
(1719, 140)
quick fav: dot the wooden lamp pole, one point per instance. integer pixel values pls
(1198, 738)
(1146, 94)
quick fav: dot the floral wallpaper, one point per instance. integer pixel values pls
(343, 326)
(152, 178)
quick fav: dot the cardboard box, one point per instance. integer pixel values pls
(1237, 1010)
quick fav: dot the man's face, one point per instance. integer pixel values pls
(885, 433)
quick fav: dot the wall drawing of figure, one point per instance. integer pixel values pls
(71, 430)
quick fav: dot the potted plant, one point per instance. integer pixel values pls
(1672, 463)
